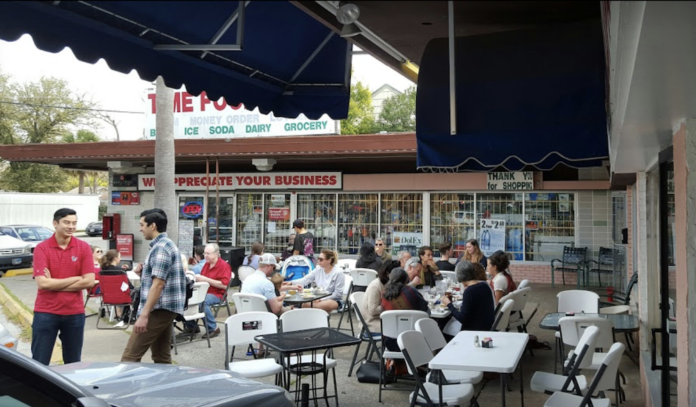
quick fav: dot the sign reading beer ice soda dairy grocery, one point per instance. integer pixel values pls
(197, 117)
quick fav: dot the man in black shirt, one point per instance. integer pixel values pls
(445, 253)
(304, 240)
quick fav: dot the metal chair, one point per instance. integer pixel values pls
(365, 334)
(574, 260)
(417, 353)
(604, 264)
(348, 282)
(193, 313)
(223, 301)
(113, 295)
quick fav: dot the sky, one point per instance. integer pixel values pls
(115, 91)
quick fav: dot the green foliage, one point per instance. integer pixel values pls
(29, 177)
(360, 113)
(399, 112)
(82, 136)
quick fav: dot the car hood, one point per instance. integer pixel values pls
(152, 385)
(9, 242)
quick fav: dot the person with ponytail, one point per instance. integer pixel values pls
(327, 276)
(252, 259)
(111, 266)
(501, 281)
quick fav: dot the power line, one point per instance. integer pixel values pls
(68, 107)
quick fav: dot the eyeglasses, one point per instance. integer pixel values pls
(209, 254)
(321, 259)
(379, 244)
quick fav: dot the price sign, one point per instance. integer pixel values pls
(492, 235)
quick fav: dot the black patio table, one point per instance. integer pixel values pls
(295, 343)
(299, 298)
(622, 322)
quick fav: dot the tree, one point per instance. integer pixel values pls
(38, 112)
(111, 121)
(398, 113)
(83, 136)
(360, 118)
(165, 158)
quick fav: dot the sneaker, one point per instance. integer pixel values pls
(120, 324)
(213, 334)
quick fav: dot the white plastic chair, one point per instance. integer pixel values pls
(523, 284)
(605, 374)
(436, 341)
(578, 301)
(362, 277)
(449, 274)
(503, 317)
(580, 358)
(244, 272)
(517, 319)
(393, 323)
(346, 264)
(417, 353)
(193, 312)
(244, 302)
(240, 330)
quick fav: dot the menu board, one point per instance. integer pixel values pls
(186, 237)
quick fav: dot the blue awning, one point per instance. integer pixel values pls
(290, 63)
(524, 98)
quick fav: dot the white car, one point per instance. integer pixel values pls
(31, 234)
(14, 253)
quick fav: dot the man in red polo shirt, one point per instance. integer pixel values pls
(217, 273)
(63, 267)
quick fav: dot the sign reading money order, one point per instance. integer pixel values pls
(197, 117)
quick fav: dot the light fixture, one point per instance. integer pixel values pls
(347, 14)
(263, 164)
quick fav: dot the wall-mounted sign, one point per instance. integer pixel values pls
(249, 181)
(492, 236)
(124, 180)
(278, 200)
(192, 210)
(510, 181)
(125, 198)
(278, 214)
(197, 117)
(407, 241)
(124, 245)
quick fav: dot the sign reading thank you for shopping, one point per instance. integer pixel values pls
(510, 181)
(197, 117)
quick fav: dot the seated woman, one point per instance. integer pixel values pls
(398, 295)
(111, 266)
(368, 257)
(327, 276)
(501, 281)
(252, 260)
(473, 253)
(371, 307)
(478, 306)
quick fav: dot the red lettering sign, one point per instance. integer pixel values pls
(124, 245)
(275, 214)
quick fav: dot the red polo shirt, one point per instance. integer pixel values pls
(221, 272)
(74, 260)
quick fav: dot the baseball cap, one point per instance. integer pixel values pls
(298, 223)
(267, 258)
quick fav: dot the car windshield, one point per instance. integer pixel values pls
(34, 234)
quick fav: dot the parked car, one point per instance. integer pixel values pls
(32, 234)
(94, 229)
(7, 340)
(27, 382)
(14, 253)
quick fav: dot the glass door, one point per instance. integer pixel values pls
(277, 222)
(192, 209)
(249, 220)
(220, 215)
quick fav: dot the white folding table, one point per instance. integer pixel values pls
(503, 358)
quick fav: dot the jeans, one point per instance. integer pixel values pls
(210, 299)
(46, 328)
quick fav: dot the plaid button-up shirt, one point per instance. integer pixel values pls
(164, 262)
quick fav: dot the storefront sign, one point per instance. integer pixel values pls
(492, 236)
(407, 241)
(254, 181)
(511, 181)
(197, 117)
(278, 200)
(275, 214)
(125, 198)
(124, 245)
(124, 180)
(192, 210)
(186, 237)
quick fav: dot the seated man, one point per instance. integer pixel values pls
(258, 283)
(413, 269)
(217, 273)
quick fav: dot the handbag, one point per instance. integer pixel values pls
(368, 372)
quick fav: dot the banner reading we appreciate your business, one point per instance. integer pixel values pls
(197, 117)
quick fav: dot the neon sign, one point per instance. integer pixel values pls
(192, 210)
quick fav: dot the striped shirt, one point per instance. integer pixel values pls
(164, 262)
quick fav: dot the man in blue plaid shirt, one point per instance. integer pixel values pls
(162, 292)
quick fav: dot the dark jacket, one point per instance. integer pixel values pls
(477, 310)
(374, 263)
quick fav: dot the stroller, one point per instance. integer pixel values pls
(296, 267)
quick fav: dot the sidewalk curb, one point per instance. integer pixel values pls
(26, 318)
(19, 272)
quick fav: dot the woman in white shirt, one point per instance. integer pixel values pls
(501, 281)
(327, 276)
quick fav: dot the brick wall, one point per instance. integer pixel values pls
(539, 273)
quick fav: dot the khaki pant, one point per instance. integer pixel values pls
(157, 338)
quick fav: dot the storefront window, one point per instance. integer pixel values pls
(318, 211)
(402, 222)
(224, 224)
(671, 214)
(357, 220)
(277, 222)
(550, 225)
(500, 223)
(191, 208)
(451, 220)
(249, 218)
